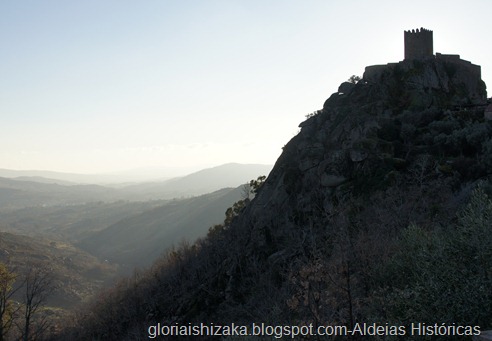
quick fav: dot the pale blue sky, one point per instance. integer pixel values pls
(98, 86)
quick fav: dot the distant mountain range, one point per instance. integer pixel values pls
(115, 178)
(201, 182)
(20, 189)
(55, 177)
(15, 194)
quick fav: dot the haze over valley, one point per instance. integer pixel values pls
(90, 234)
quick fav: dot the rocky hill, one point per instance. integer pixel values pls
(372, 133)
(377, 212)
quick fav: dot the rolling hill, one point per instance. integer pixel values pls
(138, 240)
(201, 182)
(32, 189)
(15, 194)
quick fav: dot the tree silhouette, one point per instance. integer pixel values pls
(37, 287)
(7, 308)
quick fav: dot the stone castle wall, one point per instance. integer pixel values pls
(476, 70)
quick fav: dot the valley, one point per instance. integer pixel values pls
(91, 235)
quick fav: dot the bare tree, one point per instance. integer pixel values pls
(7, 308)
(37, 287)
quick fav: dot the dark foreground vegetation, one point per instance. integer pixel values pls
(403, 258)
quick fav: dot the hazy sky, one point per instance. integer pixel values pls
(105, 85)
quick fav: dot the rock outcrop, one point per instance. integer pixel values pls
(382, 123)
(442, 81)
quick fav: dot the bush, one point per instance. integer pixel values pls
(443, 276)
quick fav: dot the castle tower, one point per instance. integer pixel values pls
(418, 44)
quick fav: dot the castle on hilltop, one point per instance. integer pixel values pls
(425, 72)
(418, 44)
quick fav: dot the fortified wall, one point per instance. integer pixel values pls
(448, 74)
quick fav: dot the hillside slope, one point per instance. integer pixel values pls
(138, 240)
(377, 212)
(76, 274)
(70, 222)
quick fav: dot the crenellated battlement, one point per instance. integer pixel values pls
(419, 43)
(418, 30)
